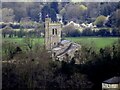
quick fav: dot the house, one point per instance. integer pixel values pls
(111, 84)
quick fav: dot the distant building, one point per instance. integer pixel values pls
(61, 49)
(76, 25)
(111, 84)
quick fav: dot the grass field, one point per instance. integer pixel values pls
(21, 40)
(98, 42)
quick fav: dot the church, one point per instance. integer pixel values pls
(62, 50)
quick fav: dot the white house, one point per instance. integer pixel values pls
(111, 84)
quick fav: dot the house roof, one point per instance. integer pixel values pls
(113, 80)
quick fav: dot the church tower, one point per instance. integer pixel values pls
(52, 33)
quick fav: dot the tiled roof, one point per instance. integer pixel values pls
(66, 47)
(64, 41)
(113, 80)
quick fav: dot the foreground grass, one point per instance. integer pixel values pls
(97, 42)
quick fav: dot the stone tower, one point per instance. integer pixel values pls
(52, 33)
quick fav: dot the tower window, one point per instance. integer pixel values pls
(53, 31)
(54, 53)
(56, 31)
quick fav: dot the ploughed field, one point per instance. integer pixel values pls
(96, 42)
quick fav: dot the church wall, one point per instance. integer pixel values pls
(52, 38)
(55, 32)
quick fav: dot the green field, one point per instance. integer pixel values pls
(21, 40)
(98, 42)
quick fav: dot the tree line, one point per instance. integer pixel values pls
(28, 16)
(100, 32)
(79, 12)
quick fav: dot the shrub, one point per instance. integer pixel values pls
(100, 21)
